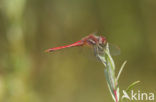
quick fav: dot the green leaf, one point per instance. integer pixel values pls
(132, 86)
(109, 83)
(109, 59)
(118, 93)
(108, 62)
(121, 69)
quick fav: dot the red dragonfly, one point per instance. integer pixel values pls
(97, 42)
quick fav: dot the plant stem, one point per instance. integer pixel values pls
(116, 98)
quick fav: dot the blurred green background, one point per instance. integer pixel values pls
(28, 27)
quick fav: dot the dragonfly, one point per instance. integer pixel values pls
(98, 43)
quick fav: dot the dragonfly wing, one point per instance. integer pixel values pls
(114, 50)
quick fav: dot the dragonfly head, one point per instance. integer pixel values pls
(101, 44)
